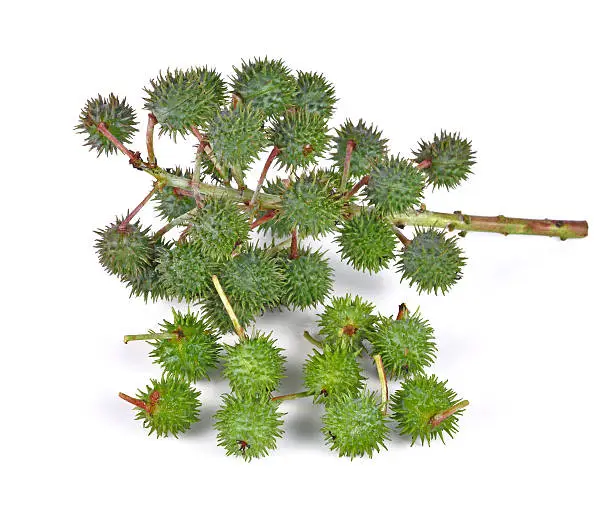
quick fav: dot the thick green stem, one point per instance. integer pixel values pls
(496, 224)
(288, 397)
(438, 418)
(149, 336)
(312, 340)
(384, 388)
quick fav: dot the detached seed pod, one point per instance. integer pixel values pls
(355, 425)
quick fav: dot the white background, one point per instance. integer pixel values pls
(524, 336)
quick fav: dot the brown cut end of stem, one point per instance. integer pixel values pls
(293, 253)
(402, 312)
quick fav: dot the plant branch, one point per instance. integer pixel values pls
(131, 215)
(134, 157)
(228, 308)
(384, 389)
(275, 151)
(150, 128)
(438, 418)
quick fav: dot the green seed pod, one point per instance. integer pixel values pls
(308, 203)
(308, 279)
(254, 366)
(186, 273)
(149, 284)
(315, 94)
(182, 99)
(405, 345)
(248, 427)
(347, 321)
(450, 159)
(253, 280)
(237, 136)
(355, 425)
(332, 373)
(172, 202)
(395, 186)
(431, 261)
(301, 136)
(192, 352)
(265, 84)
(218, 227)
(367, 242)
(168, 406)
(370, 147)
(124, 249)
(118, 117)
(425, 408)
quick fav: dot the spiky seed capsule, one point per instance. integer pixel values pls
(173, 406)
(248, 427)
(301, 137)
(432, 261)
(367, 242)
(252, 280)
(265, 84)
(215, 312)
(332, 373)
(172, 202)
(192, 352)
(395, 186)
(118, 117)
(149, 284)
(406, 345)
(254, 366)
(308, 279)
(218, 227)
(370, 146)
(451, 158)
(237, 136)
(347, 321)
(181, 99)
(124, 249)
(418, 401)
(355, 425)
(315, 94)
(186, 273)
(307, 203)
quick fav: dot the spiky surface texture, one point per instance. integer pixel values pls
(118, 117)
(174, 411)
(370, 146)
(172, 202)
(215, 312)
(265, 84)
(301, 137)
(415, 404)
(347, 320)
(217, 227)
(451, 158)
(186, 273)
(395, 186)
(193, 351)
(149, 284)
(367, 242)
(431, 261)
(406, 345)
(332, 373)
(315, 94)
(125, 251)
(237, 136)
(308, 204)
(181, 99)
(308, 279)
(248, 427)
(355, 425)
(254, 366)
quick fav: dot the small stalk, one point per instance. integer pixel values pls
(195, 177)
(175, 222)
(131, 215)
(149, 336)
(364, 181)
(134, 157)
(438, 418)
(288, 397)
(400, 235)
(135, 402)
(312, 340)
(150, 129)
(275, 151)
(228, 308)
(402, 312)
(277, 248)
(293, 253)
(384, 389)
(269, 215)
(350, 146)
